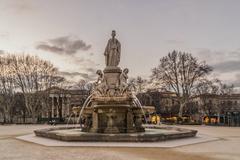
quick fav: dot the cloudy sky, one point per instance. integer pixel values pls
(72, 34)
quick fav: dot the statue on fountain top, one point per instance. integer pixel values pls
(113, 51)
(112, 82)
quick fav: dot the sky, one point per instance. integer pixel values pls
(73, 34)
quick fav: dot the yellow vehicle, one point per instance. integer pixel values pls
(206, 120)
(211, 120)
(155, 119)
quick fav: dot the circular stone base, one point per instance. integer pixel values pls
(151, 134)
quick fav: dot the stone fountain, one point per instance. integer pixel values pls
(112, 107)
(112, 112)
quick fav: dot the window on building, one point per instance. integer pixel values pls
(229, 102)
(166, 102)
(210, 101)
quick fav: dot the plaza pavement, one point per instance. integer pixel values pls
(226, 147)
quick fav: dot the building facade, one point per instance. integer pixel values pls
(224, 108)
(221, 109)
(61, 102)
(165, 102)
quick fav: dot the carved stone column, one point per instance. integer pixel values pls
(52, 106)
(94, 121)
(68, 106)
(130, 121)
(58, 106)
(63, 106)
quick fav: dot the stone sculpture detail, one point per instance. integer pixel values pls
(124, 86)
(121, 88)
(100, 77)
(113, 51)
(100, 86)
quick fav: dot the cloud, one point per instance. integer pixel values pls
(91, 70)
(172, 41)
(4, 35)
(216, 56)
(2, 52)
(86, 66)
(79, 60)
(65, 45)
(236, 82)
(211, 56)
(19, 6)
(22, 6)
(77, 75)
(227, 66)
(85, 63)
(222, 60)
(73, 74)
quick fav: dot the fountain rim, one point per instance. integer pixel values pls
(116, 137)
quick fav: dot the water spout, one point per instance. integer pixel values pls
(138, 103)
(86, 103)
(69, 118)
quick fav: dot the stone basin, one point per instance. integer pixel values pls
(151, 134)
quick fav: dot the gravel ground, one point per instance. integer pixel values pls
(225, 148)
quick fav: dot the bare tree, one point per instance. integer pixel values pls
(139, 83)
(207, 86)
(89, 87)
(226, 89)
(180, 72)
(33, 75)
(214, 86)
(81, 84)
(206, 89)
(7, 89)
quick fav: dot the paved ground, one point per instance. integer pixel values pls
(225, 148)
(228, 147)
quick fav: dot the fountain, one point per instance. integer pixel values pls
(112, 112)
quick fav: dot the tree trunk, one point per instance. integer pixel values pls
(180, 113)
(34, 120)
(4, 118)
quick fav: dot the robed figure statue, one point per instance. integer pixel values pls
(113, 51)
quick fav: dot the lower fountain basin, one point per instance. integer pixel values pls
(151, 134)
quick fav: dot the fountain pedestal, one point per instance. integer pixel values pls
(114, 110)
(115, 115)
